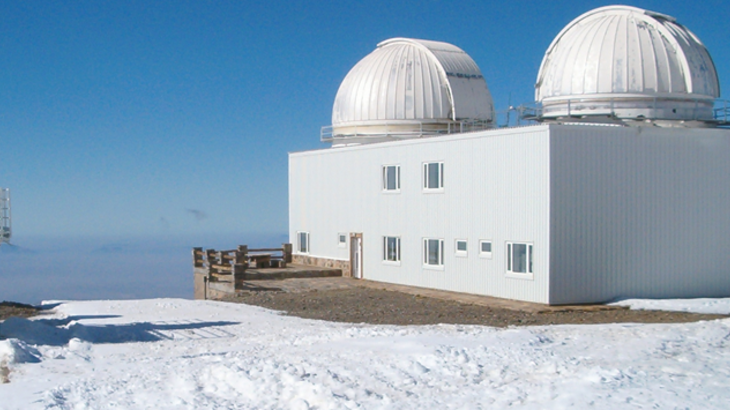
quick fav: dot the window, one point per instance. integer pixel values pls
(461, 247)
(485, 249)
(391, 178)
(433, 176)
(303, 242)
(341, 240)
(433, 252)
(519, 258)
(391, 249)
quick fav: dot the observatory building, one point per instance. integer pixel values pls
(619, 190)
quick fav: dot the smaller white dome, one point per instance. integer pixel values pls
(409, 87)
(628, 63)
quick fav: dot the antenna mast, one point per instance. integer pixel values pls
(6, 230)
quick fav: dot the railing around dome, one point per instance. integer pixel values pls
(720, 111)
(402, 129)
(517, 116)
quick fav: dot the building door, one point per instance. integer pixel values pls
(356, 255)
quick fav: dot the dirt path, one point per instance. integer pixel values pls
(342, 300)
(367, 304)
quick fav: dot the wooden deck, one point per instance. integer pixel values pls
(221, 284)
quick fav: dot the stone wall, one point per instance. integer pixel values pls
(344, 266)
(203, 289)
(199, 284)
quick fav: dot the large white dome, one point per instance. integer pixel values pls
(627, 63)
(409, 88)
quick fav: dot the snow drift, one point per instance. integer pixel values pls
(172, 354)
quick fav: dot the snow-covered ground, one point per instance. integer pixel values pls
(174, 353)
(711, 306)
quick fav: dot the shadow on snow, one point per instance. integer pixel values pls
(58, 332)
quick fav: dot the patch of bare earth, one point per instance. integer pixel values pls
(4, 373)
(376, 306)
(8, 309)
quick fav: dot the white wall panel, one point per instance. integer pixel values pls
(496, 188)
(639, 212)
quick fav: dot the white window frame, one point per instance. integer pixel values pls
(457, 251)
(305, 249)
(427, 182)
(482, 253)
(340, 242)
(397, 179)
(386, 259)
(439, 265)
(529, 260)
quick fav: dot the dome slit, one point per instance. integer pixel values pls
(593, 56)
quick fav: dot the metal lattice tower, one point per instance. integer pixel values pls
(5, 222)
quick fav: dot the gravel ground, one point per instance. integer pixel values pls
(376, 306)
(379, 306)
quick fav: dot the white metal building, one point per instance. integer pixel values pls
(622, 191)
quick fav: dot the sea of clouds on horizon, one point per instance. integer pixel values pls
(37, 268)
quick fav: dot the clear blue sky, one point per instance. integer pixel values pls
(120, 117)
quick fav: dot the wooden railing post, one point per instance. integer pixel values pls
(240, 262)
(242, 254)
(287, 249)
(198, 257)
(209, 260)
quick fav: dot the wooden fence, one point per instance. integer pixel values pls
(235, 262)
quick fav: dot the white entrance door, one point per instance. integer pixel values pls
(356, 255)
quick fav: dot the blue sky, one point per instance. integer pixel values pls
(175, 117)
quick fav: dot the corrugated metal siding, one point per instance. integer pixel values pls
(496, 188)
(639, 212)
